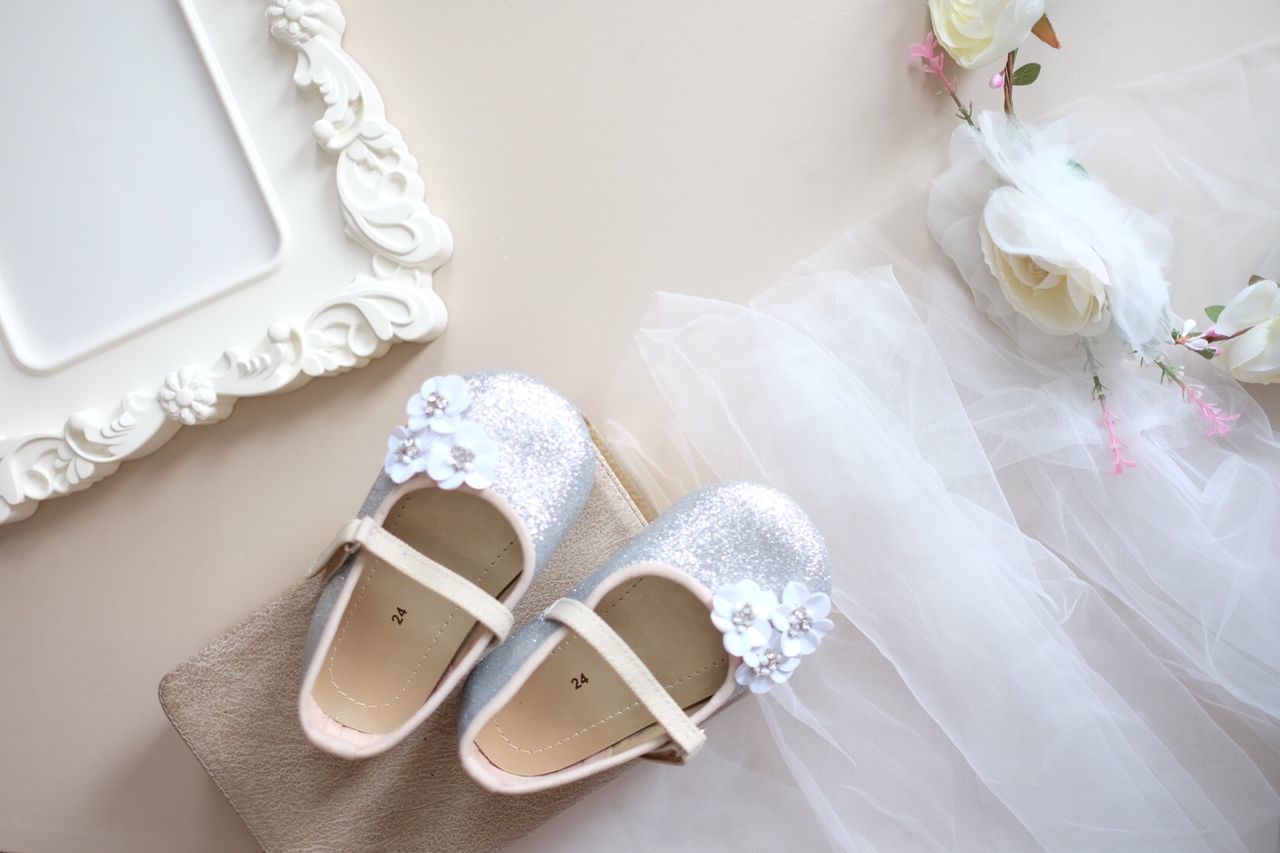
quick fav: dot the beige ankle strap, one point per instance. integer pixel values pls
(368, 534)
(584, 622)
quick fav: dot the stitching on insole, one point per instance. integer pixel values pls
(681, 680)
(333, 654)
(421, 658)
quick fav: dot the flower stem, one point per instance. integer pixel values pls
(1094, 366)
(962, 111)
(1008, 82)
(1169, 371)
(1217, 339)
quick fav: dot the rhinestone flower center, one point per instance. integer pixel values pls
(463, 457)
(408, 450)
(769, 662)
(800, 622)
(435, 403)
(744, 616)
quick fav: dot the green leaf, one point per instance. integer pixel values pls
(1206, 354)
(1027, 74)
(1213, 312)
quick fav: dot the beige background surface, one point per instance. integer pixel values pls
(585, 154)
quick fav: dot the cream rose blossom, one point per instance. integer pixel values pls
(1048, 272)
(1254, 315)
(1046, 247)
(975, 32)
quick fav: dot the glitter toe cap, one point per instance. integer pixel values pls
(546, 461)
(731, 532)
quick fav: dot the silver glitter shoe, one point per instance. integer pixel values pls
(477, 491)
(721, 596)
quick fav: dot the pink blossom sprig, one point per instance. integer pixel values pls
(1118, 459)
(1091, 364)
(933, 60)
(1220, 422)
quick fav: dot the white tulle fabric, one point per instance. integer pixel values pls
(1029, 652)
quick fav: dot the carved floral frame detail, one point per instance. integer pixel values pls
(382, 199)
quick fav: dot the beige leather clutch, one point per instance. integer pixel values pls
(235, 704)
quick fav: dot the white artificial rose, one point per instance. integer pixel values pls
(1255, 355)
(1046, 247)
(1046, 269)
(975, 32)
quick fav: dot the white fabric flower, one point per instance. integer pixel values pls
(466, 455)
(1044, 246)
(1255, 355)
(1045, 267)
(439, 404)
(976, 32)
(764, 668)
(801, 619)
(406, 453)
(741, 611)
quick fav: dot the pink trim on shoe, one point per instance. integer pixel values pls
(342, 741)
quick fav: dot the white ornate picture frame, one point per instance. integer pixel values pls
(381, 199)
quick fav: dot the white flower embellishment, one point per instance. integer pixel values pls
(741, 611)
(439, 404)
(769, 635)
(761, 669)
(187, 395)
(801, 619)
(439, 442)
(406, 453)
(466, 455)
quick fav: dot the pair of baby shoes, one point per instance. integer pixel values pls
(724, 594)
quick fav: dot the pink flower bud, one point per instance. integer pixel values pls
(997, 82)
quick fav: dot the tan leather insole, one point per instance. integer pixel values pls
(397, 637)
(574, 705)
